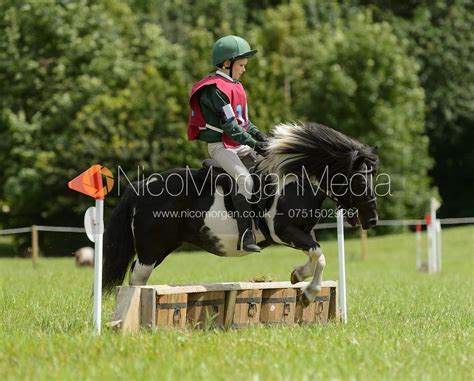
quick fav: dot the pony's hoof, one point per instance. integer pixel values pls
(305, 301)
(294, 278)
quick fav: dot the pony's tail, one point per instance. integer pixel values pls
(118, 244)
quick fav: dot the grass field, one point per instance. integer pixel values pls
(403, 325)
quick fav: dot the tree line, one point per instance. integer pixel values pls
(108, 81)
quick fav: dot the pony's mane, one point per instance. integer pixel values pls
(315, 147)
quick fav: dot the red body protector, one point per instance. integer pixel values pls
(238, 100)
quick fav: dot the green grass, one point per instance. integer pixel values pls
(403, 325)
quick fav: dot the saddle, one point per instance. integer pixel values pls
(208, 163)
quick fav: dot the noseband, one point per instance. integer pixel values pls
(351, 204)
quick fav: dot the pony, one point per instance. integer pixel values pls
(304, 164)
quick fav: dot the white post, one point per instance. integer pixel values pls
(438, 243)
(433, 243)
(342, 264)
(434, 206)
(418, 246)
(99, 207)
(429, 236)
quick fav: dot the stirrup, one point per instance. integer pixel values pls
(252, 247)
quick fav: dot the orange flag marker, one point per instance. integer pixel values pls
(91, 183)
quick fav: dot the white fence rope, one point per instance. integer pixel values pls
(15, 231)
(444, 221)
(325, 225)
(59, 229)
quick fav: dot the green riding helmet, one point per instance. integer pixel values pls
(230, 48)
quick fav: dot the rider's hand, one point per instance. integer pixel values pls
(260, 137)
(261, 148)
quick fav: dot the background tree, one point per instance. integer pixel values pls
(356, 76)
(440, 38)
(109, 82)
(86, 84)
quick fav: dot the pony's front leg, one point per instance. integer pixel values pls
(316, 261)
(314, 287)
(300, 273)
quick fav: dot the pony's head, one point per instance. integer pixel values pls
(360, 196)
(328, 157)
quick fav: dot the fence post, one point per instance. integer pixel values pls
(438, 243)
(419, 260)
(34, 245)
(342, 264)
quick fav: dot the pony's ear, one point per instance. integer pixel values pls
(374, 149)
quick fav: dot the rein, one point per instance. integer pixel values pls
(351, 204)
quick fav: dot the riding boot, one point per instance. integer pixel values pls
(244, 224)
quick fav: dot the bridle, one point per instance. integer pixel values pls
(351, 204)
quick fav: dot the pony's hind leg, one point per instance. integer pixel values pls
(144, 265)
(139, 273)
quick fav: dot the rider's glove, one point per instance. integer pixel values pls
(261, 148)
(260, 137)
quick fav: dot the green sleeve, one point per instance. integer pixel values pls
(232, 129)
(252, 130)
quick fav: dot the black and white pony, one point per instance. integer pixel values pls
(305, 164)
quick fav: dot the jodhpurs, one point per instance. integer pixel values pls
(231, 160)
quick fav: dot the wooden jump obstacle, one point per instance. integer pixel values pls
(223, 305)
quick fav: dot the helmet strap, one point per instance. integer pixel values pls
(230, 68)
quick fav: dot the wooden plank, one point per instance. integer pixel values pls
(322, 303)
(229, 307)
(317, 311)
(334, 308)
(229, 286)
(206, 309)
(126, 316)
(148, 308)
(247, 308)
(278, 306)
(145, 306)
(304, 315)
(171, 310)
